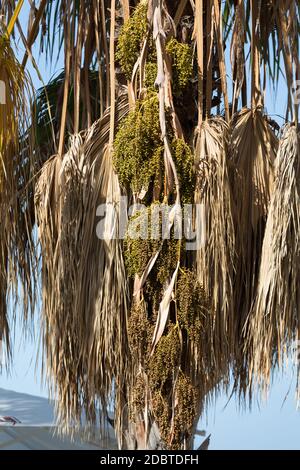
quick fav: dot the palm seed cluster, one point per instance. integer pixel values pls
(138, 148)
(130, 38)
(182, 64)
(139, 162)
(193, 304)
(140, 330)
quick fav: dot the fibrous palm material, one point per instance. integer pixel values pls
(253, 152)
(17, 256)
(83, 274)
(215, 256)
(274, 320)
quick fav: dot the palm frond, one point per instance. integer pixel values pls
(274, 320)
(17, 250)
(253, 152)
(84, 282)
(215, 259)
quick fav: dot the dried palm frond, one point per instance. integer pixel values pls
(16, 198)
(237, 54)
(214, 260)
(274, 322)
(84, 283)
(253, 152)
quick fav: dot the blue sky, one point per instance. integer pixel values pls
(274, 424)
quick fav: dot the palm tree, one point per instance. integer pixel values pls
(144, 108)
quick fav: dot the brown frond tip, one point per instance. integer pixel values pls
(252, 155)
(215, 258)
(274, 321)
(84, 282)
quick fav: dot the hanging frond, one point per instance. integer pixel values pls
(215, 258)
(274, 320)
(253, 152)
(84, 282)
(17, 250)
